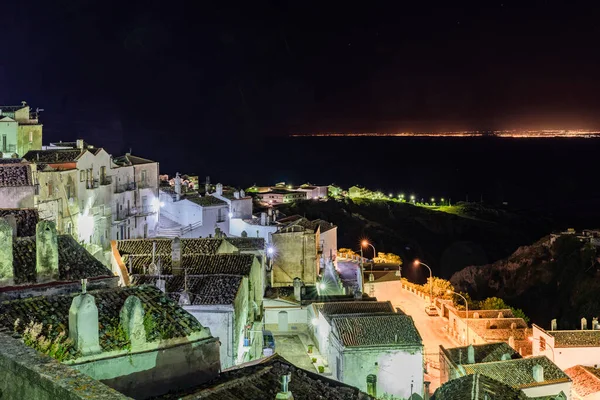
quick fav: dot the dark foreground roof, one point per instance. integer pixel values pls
(168, 320)
(163, 246)
(74, 261)
(247, 244)
(13, 175)
(53, 156)
(203, 289)
(477, 387)
(330, 310)
(232, 264)
(376, 330)
(26, 218)
(262, 381)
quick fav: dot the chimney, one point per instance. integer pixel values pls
(553, 325)
(511, 341)
(470, 354)
(426, 390)
(83, 322)
(242, 193)
(263, 218)
(595, 325)
(284, 393)
(177, 186)
(220, 189)
(176, 256)
(298, 289)
(505, 356)
(538, 373)
(6, 250)
(357, 294)
(236, 194)
(46, 244)
(79, 143)
(132, 321)
(583, 324)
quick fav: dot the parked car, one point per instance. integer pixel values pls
(431, 311)
(268, 343)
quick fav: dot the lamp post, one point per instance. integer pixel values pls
(466, 306)
(417, 263)
(365, 243)
(531, 339)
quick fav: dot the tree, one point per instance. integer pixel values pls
(347, 252)
(440, 286)
(493, 303)
(388, 258)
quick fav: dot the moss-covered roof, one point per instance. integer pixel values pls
(26, 218)
(483, 352)
(247, 243)
(196, 264)
(477, 387)
(164, 246)
(168, 319)
(206, 201)
(74, 261)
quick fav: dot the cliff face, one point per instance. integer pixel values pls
(547, 280)
(448, 239)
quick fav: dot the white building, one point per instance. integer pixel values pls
(17, 188)
(379, 354)
(568, 348)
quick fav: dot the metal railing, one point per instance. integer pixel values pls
(124, 187)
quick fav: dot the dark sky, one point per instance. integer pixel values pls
(193, 73)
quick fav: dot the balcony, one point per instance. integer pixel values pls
(105, 180)
(124, 187)
(92, 184)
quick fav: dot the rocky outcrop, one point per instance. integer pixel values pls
(547, 280)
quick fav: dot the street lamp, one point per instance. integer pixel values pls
(417, 263)
(365, 243)
(466, 306)
(531, 339)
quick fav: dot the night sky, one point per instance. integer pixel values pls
(177, 76)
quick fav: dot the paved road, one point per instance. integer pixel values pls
(431, 330)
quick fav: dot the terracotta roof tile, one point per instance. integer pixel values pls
(261, 380)
(376, 330)
(53, 156)
(477, 387)
(586, 380)
(203, 289)
(74, 261)
(518, 373)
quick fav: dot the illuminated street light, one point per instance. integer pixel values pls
(162, 203)
(322, 286)
(390, 195)
(315, 321)
(417, 263)
(270, 250)
(401, 195)
(432, 200)
(466, 306)
(230, 215)
(365, 243)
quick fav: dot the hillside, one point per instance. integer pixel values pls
(547, 280)
(449, 240)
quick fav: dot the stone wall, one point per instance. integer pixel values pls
(295, 257)
(156, 371)
(25, 374)
(17, 196)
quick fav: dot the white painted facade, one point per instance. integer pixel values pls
(284, 316)
(564, 357)
(253, 229)
(194, 219)
(399, 371)
(549, 390)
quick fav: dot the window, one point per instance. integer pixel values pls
(143, 178)
(542, 344)
(372, 385)
(30, 137)
(50, 192)
(81, 176)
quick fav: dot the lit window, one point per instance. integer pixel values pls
(30, 137)
(542, 344)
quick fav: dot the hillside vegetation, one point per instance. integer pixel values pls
(448, 240)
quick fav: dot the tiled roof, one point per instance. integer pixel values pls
(206, 201)
(355, 307)
(586, 380)
(163, 246)
(483, 353)
(74, 261)
(519, 373)
(261, 380)
(53, 156)
(376, 330)
(234, 264)
(12, 175)
(26, 218)
(203, 289)
(11, 160)
(247, 244)
(128, 159)
(170, 320)
(587, 338)
(477, 387)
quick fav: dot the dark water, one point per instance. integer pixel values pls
(542, 174)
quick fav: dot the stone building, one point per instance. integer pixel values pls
(17, 187)
(568, 348)
(270, 378)
(301, 249)
(222, 288)
(20, 131)
(477, 387)
(135, 340)
(87, 194)
(379, 354)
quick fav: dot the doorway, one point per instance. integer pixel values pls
(282, 321)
